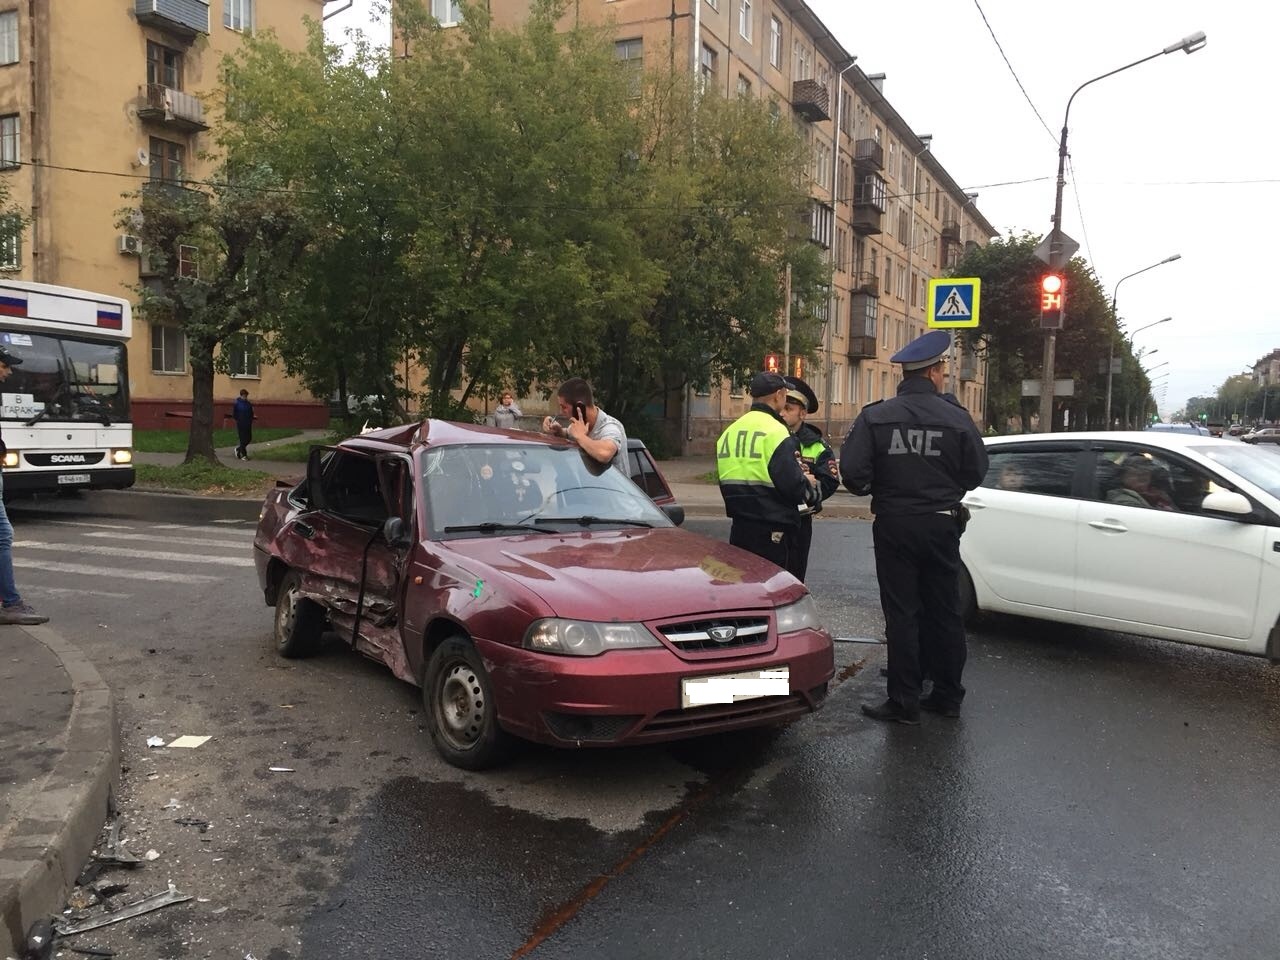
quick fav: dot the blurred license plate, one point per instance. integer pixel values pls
(732, 687)
(73, 478)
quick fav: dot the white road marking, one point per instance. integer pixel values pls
(189, 541)
(104, 551)
(156, 576)
(83, 523)
(40, 588)
(232, 531)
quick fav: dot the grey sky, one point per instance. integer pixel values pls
(1173, 156)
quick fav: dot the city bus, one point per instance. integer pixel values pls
(64, 411)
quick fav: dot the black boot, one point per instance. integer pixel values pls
(892, 712)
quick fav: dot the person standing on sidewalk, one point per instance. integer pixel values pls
(12, 607)
(917, 454)
(505, 413)
(242, 413)
(762, 480)
(818, 459)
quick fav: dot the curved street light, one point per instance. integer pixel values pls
(1111, 346)
(1188, 44)
(1163, 363)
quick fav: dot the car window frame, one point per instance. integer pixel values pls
(328, 469)
(1076, 447)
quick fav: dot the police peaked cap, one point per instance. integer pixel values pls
(924, 351)
(801, 392)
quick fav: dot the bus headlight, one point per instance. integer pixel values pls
(11, 458)
(121, 456)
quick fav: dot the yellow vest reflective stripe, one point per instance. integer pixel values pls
(745, 448)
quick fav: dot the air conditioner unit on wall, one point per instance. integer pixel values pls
(130, 244)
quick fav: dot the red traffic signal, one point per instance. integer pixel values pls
(772, 363)
(1053, 291)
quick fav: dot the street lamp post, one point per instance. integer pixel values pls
(1189, 44)
(1111, 346)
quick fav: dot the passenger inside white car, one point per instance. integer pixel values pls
(1142, 483)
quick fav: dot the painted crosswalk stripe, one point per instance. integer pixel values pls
(39, 589)
(229, 531)
(188, 541)
(156, 576)
(85, 523)
(105, 551)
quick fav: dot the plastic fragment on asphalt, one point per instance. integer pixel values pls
(155, 741)
(190, 742)
(145, 905)
(152, 854)
(173, 804)
(281, 769)
(873, 640)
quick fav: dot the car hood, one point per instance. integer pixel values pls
(630, 575)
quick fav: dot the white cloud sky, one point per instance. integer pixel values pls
(1157, 150)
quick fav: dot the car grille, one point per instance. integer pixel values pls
(701, 634)
(581, 726)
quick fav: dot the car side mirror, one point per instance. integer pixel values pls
(394, 532)
(1225, 501)
(674, 512)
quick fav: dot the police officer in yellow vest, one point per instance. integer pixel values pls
(817, 457)
(762, 480)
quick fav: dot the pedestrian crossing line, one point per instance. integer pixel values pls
(188, 541)
(105, 551)
(85, 523)
(38, 589)
(216, 529)
(155, 576)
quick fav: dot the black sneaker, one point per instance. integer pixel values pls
(21, 613)
(941, 707)
(891, 712)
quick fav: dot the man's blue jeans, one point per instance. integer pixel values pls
(8, 588)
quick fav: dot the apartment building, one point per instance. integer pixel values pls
(98, 97)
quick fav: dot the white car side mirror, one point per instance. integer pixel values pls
(1224, 501)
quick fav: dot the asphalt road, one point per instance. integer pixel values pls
(1103, 795)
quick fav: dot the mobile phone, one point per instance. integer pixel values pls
(580, 411)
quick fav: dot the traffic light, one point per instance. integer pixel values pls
(772, 363)
(798, 366)
(1204, 417)
(1053, 292)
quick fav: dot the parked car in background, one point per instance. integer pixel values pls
(1262, 435)
(531, 592)
(1235, 430)
(1216, 429)
(1156, 533)
(645, 472)
(1190, 428)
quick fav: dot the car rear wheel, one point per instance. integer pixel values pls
(299, 621)
(462, 715)
(968, 599)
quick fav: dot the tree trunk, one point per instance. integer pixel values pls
(200, 440)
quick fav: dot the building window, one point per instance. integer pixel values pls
(9, 36)
(188, 261)
(708, 63)
(243, 351)
(11, 242)
(10, 143)
(775, 42)
(744, 19)
(630, 54)
(837, 383)
(713, 4)
(803, 65)
(237, 14)
(168, 349)
(164, 66)
(744, 86)
(822, 165)
(166, 160)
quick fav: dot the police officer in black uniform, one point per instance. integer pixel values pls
(917, 454)
(818, 459)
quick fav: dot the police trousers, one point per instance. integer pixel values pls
(798, 554)
(771, 541)
(917, 564)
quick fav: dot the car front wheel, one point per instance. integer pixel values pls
(462, 715)
(299, 621)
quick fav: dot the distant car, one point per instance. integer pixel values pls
(1155, 533)
(531, 592)
(1235, 430)
(644, 471)
(1177, 428)
(1215, 429)
(1262, 435)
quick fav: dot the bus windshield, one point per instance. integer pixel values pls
(64, 379)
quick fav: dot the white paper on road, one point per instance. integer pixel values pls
(159, 576)
(189, 741)
(729, 688)
(81, 548)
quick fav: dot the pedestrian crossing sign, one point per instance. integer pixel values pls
(953, 301)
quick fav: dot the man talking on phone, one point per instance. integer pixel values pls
(599, 435)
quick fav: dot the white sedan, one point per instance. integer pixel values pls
(1161, 534)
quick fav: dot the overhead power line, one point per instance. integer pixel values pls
(1016, 80)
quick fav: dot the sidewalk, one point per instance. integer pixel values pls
(59, 763)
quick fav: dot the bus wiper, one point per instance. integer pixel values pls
(588, 521)
(492, 526)
(38, 417)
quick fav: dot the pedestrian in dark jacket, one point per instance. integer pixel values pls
(242, 413)
(917, 454)
(818, 459)
(14, 609)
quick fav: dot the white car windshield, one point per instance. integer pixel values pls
(1259, 467)
(501, 489)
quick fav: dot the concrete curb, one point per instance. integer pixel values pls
(51, 841)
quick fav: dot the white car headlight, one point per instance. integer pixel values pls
(801, 615)
(583, 638)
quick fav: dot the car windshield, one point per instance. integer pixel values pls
(480, 490)
(1259, 467)
(63, 379)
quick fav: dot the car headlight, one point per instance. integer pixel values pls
(121, 456)
(801, 615)
(11, 458)
(583, 638)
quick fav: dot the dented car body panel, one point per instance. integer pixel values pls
(409, 537)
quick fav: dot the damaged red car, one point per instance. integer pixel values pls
(532, 594)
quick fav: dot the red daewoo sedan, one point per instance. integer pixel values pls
(531, 593)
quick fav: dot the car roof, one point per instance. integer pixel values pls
(406, 436)
(1153, 438)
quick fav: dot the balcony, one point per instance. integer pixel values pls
(951, 231)
(868, 155)
(186, 19)
(819, 222)
(811, 100)
(862, 348)
(867, 283)
(968, 367)
(178, 110)
(868, 205)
